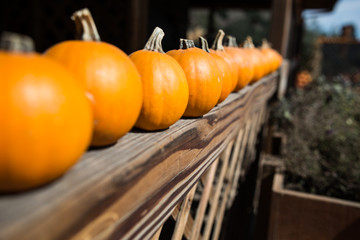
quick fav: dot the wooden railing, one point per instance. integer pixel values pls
(127, 191)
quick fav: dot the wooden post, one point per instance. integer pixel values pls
(137, 28)
(281, 25)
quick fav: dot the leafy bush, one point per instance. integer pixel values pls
(322, 151)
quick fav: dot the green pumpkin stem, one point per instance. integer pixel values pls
(14, 42)
(249, 42)
(204, 44)
(154, 42)
(85, 26)
(218, 42)
(186, 43)
(231, 41)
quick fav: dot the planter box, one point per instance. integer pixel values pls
(296, 215)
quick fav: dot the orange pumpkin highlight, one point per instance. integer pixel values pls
(255, 57)
(245, 70)
(202, 75)
(46, 121)
(165, 88)
(218, 49)
(224, 71)
(109, 78)
(273, 58)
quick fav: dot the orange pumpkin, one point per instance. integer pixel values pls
(165, 88)
(108, 76)
(202, 75)
(255, 57)
(303, 78)
(218, 49)
(46, 119)
(224, 71)
(245, 70)
(272, 57)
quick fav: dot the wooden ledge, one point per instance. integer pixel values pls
(127, 190)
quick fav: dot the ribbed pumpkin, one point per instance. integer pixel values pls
(165, 88)
(218, 49)
(202, 74)
(108, 76)
(46, 119)
(274, 58)
(224, 71)
(255, 57)
(245, 70)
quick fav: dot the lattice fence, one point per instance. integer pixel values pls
(201, 213)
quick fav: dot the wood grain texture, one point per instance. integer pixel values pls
(217, 191)
(200, 213)
(298, 216)
(128, 190)
(182, 215)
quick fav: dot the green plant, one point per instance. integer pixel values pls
(322, 125)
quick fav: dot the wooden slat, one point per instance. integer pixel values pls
(231, 188)
(195, 233)
(183, 215)
(281, 25)
(233, 178)
(157, 234)
(189, 222)
(128, 190)
(215, 199)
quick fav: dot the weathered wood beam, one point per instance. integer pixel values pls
(129, 189)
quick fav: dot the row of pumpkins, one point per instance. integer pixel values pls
(87, 92)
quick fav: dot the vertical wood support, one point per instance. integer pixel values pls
(204, 201)
(281, 16)
(235, 178)
(218, 187)
(183, 215)
(157, 234)
(137, 25)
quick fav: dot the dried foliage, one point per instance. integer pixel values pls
(322, 125)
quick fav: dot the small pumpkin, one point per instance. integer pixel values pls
(202, 75)
(218, 49)
(255, 57)
(303, 78)
(224, 71)
(274, 57)
(108, 77)
(245, 70)
(165, 88)
(46, 119)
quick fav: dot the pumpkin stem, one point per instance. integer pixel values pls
(249, 42)
(186, 43)
(231, 41)
(154, 42)
(265, 44)
(218, 42)
(14, 42)
(85, 26)
(204, 44)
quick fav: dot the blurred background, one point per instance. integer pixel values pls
(302, 31)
